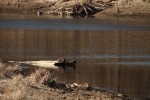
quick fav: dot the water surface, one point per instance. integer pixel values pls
(113, 54)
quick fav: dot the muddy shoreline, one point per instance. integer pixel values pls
(98, 15)
(40, 85)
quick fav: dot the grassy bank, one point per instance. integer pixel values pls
(15, 86)
(128, 8)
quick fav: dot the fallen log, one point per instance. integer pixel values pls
(70, 63)
(62, 62)
(73, 8)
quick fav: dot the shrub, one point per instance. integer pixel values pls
(41, 76)
(8, 70)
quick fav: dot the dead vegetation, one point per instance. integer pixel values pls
(14, 86)
(76, 7)
(54, 7)
(134, 7)
(73, 8)
(126, 8)
(8, 70)
(40, 86)
(41, 76)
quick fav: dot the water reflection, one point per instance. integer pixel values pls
(66, 25)
(102, 56)
(131, 63)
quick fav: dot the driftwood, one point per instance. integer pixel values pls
(84, 9)
(73, 8)
(76, 8)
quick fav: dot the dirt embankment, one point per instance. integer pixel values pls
(38, 85)
(23, 6)
(49, 7)
(108, 7)
(129, 8)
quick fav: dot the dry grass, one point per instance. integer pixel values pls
(8, 71)
(20, 88)
(41, 76)
(17, 87)
(134, 6)
(132, 2)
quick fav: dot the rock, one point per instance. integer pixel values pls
(80, 86)
(61, 86)
(119, 95)
(53, 84)
(75, 85)
(84, 86)
(72, 86)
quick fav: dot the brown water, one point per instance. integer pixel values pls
(112, 55)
